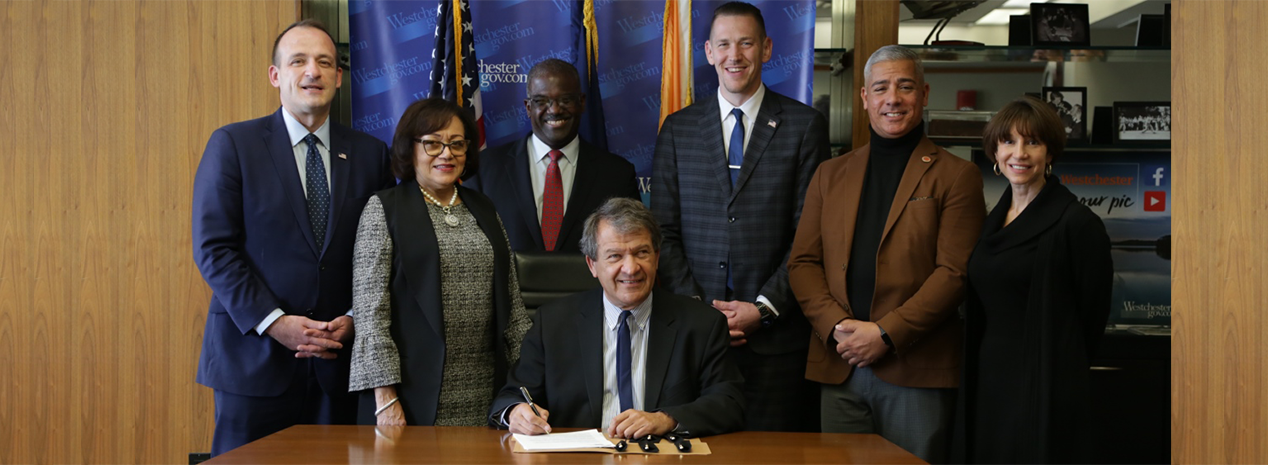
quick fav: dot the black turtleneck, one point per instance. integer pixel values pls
(885, 165)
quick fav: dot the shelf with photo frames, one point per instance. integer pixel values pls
(1000, 74)
(1153, 147)
(940, 55)
(936, 56)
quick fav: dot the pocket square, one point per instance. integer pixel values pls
(917, 199)
(343, 156)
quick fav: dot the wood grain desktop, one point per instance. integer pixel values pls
(459, 445)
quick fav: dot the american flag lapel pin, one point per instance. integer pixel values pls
(771, 123)
(343, 156)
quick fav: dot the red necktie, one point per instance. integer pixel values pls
(552, 201)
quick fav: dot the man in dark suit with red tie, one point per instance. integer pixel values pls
(275, 211)
(546, 184)
(728, 179)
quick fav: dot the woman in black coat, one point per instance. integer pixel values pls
(1039, 296)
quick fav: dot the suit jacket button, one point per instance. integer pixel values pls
(732, 219)
(322, 268)
(721, 264)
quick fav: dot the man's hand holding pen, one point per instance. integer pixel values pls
(522, 420)
(527, 418)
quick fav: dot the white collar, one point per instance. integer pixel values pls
(298, 132)
(540, 149)
(749, 107)
(612, 313)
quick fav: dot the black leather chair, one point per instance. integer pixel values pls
(546, 276)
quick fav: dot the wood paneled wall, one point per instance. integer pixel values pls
(105, 107)
(1219, 394)
(876, 25)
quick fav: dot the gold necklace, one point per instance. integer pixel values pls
(450, 219)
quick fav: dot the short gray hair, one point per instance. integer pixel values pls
(893, 53)
(625, 215)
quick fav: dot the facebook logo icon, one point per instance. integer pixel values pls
(1158, 176)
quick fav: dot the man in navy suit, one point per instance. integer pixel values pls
(546, 184)
(728, 180)
(621, 357)
(276, 205)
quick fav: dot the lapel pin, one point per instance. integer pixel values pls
(926, 159)
(344, 156)
(771, 123)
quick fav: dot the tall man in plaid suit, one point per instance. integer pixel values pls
(728, 179)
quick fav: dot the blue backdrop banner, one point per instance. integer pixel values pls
(391, 45)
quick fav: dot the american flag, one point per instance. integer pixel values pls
(455, 73)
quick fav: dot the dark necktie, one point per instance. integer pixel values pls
(552, 201)
(318, 191)
(735, 158)
(624, 381)
(735, 153)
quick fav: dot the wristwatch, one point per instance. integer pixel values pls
(767, 315)
(885, 337)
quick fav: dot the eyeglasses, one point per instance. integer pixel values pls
(433, 148)
(542, 103)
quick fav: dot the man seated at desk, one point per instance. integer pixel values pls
(618, 357)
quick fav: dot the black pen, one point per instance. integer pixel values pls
(529, 399)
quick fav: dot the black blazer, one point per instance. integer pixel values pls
(418, 322)
(707, 223)
(504, 178)
(688, 376)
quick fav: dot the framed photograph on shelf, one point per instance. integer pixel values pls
(1019, 31)
(1071, 106)
(1166, 13)
(1150, 30)
(1142, 122)
(1064, 24)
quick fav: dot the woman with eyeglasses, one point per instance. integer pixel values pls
(435, 298)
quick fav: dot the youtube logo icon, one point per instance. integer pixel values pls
(1155, 201)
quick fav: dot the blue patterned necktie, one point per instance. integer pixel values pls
(735, 153)
(318, 191)
(624, 384)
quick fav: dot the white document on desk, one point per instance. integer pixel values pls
(576, 440)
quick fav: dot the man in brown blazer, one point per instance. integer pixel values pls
(878, 267)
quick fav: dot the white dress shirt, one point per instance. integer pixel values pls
(749, 108)
(638, 356)
(538, 163)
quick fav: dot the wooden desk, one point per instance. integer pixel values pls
(458, 445)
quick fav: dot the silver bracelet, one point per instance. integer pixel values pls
(385, 406)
